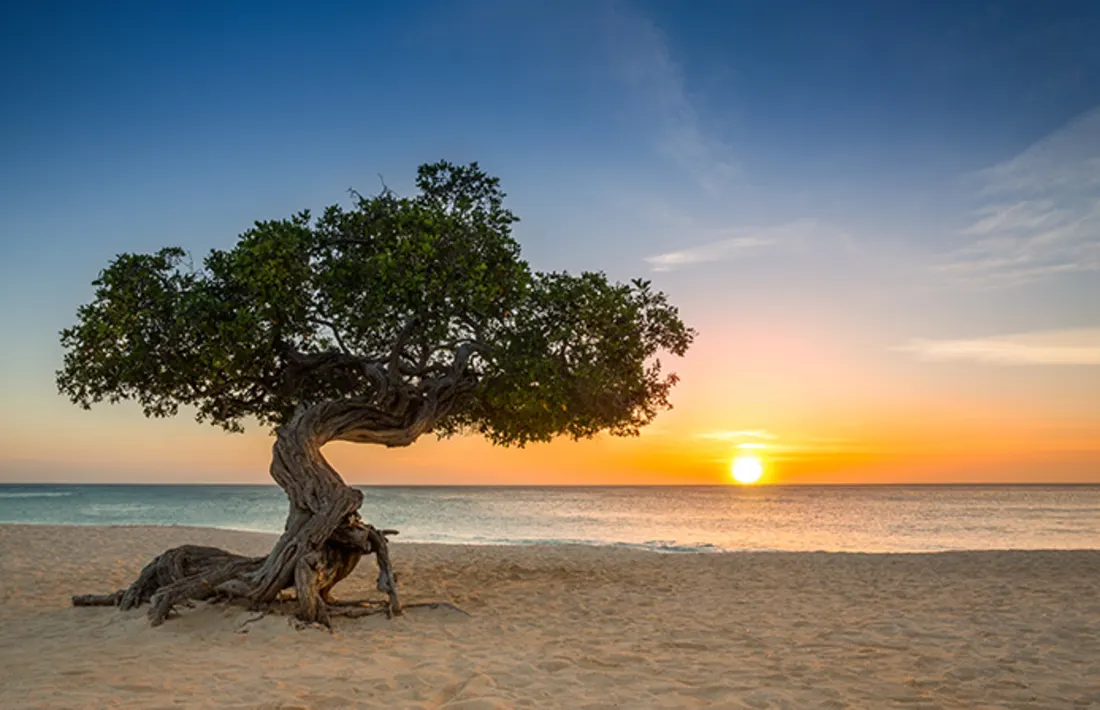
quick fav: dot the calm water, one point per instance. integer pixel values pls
(869, 519)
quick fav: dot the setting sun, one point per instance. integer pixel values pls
(747, 469)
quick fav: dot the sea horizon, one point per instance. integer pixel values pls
(890, 484)
(845, 518)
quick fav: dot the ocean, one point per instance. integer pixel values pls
(675, 519)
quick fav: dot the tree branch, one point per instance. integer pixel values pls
(304, 364)
(399, 344)
(335, 333)
(395, 375)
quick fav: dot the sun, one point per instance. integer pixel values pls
(747, 470)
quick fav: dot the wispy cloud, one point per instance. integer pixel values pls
(737, 435)
(723, 250)
(776, 447)
(1039, 213)
(738, 243)
(647, 64)
(1063, 347)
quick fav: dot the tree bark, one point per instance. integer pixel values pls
(323, 538)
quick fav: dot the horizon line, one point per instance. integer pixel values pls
(895, 484)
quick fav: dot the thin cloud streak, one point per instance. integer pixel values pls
(1039, 214)
(776, 448)
(739, 243)
(724, 250)
(647, 64)
(737, 435)
(1065, 347)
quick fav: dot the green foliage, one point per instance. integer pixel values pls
(379, 303)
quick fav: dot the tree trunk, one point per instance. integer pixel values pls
(322, 541)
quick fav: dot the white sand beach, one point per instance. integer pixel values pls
(565, 627)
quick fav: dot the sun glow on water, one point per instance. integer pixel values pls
(747, 470)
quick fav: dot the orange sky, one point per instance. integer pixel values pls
(813, 410)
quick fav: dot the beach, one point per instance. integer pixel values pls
(564, 627)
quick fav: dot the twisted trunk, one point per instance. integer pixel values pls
(323, 539)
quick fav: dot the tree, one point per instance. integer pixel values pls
(376, 324)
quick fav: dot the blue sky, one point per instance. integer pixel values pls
(908, 190)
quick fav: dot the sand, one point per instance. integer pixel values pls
(566, 627)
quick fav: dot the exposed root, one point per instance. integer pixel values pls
(438, 605)
(387, 579)
(356, 609)
(187, 572)
(111, 599)
(356, 613)
(194, 573)
(242, 628)
(287, 606)
(202, 585)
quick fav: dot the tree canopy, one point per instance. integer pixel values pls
(417, 312)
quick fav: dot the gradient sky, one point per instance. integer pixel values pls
(883, 218)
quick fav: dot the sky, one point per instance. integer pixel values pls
(882, 218)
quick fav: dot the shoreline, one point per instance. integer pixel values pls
(564, 626)
(707, 550)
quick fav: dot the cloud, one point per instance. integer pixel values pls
(1039, 213)
(737, 435)
(1064, 347)
(646, 63)
(775, 447)
(738, 243)
(723, 250)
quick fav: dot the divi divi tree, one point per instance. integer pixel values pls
(376, 324)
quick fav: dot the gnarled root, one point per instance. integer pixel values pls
(201, 585)
(192, 572)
